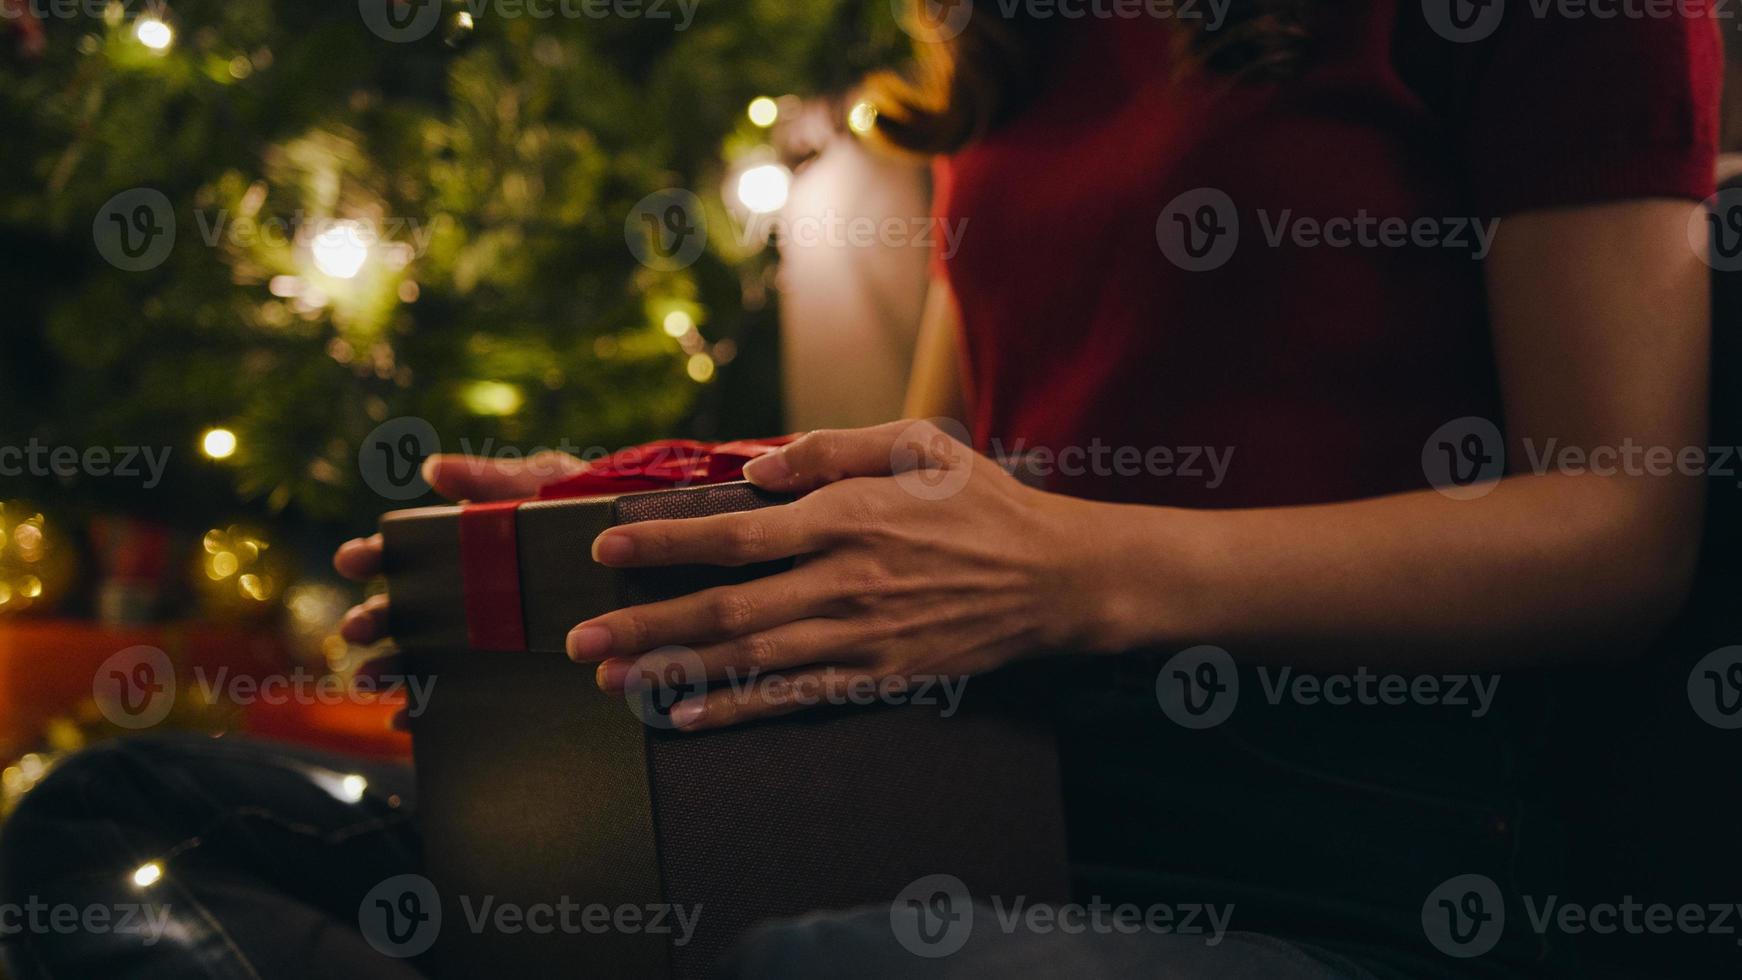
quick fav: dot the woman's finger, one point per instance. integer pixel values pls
(743, 538)
(360, 558)
(740, 662)
(710, 615)
(459, 477)
(365, 623)
(770, 696)
(831, 455)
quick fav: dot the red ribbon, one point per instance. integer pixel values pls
(489, 546)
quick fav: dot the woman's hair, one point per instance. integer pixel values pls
(957, 89)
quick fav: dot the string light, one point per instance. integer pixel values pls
(701, 368)
(340, 251)
(677, 323)
(862, 118)
(351, 788)
(148, 874)
(764, 188)
(153, 33)
(218, 443)
(763, 111)
(495, 398)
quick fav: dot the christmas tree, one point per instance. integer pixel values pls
(247, 233)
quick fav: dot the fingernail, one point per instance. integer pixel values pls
(428, 470)
(686, 713)
(611, 674)
(612, 549)
(769, 469)
(589, 642)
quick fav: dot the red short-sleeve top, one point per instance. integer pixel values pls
(1289, 275)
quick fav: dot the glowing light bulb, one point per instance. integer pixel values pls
(862, 119)
(763, 188)
(218, 443)
(340, 251)
(153, 33)
(677, 323)
(351, 788)
(148, 874)
(763, 111)
(700, 367)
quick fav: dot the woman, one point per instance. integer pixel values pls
(1338, 248)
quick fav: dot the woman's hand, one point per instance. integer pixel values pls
(918, 559)
(456, 478)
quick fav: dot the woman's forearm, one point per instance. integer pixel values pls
(1546, 567)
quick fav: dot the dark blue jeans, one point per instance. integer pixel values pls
(267, 852)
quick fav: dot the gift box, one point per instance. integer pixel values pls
(538, 792)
